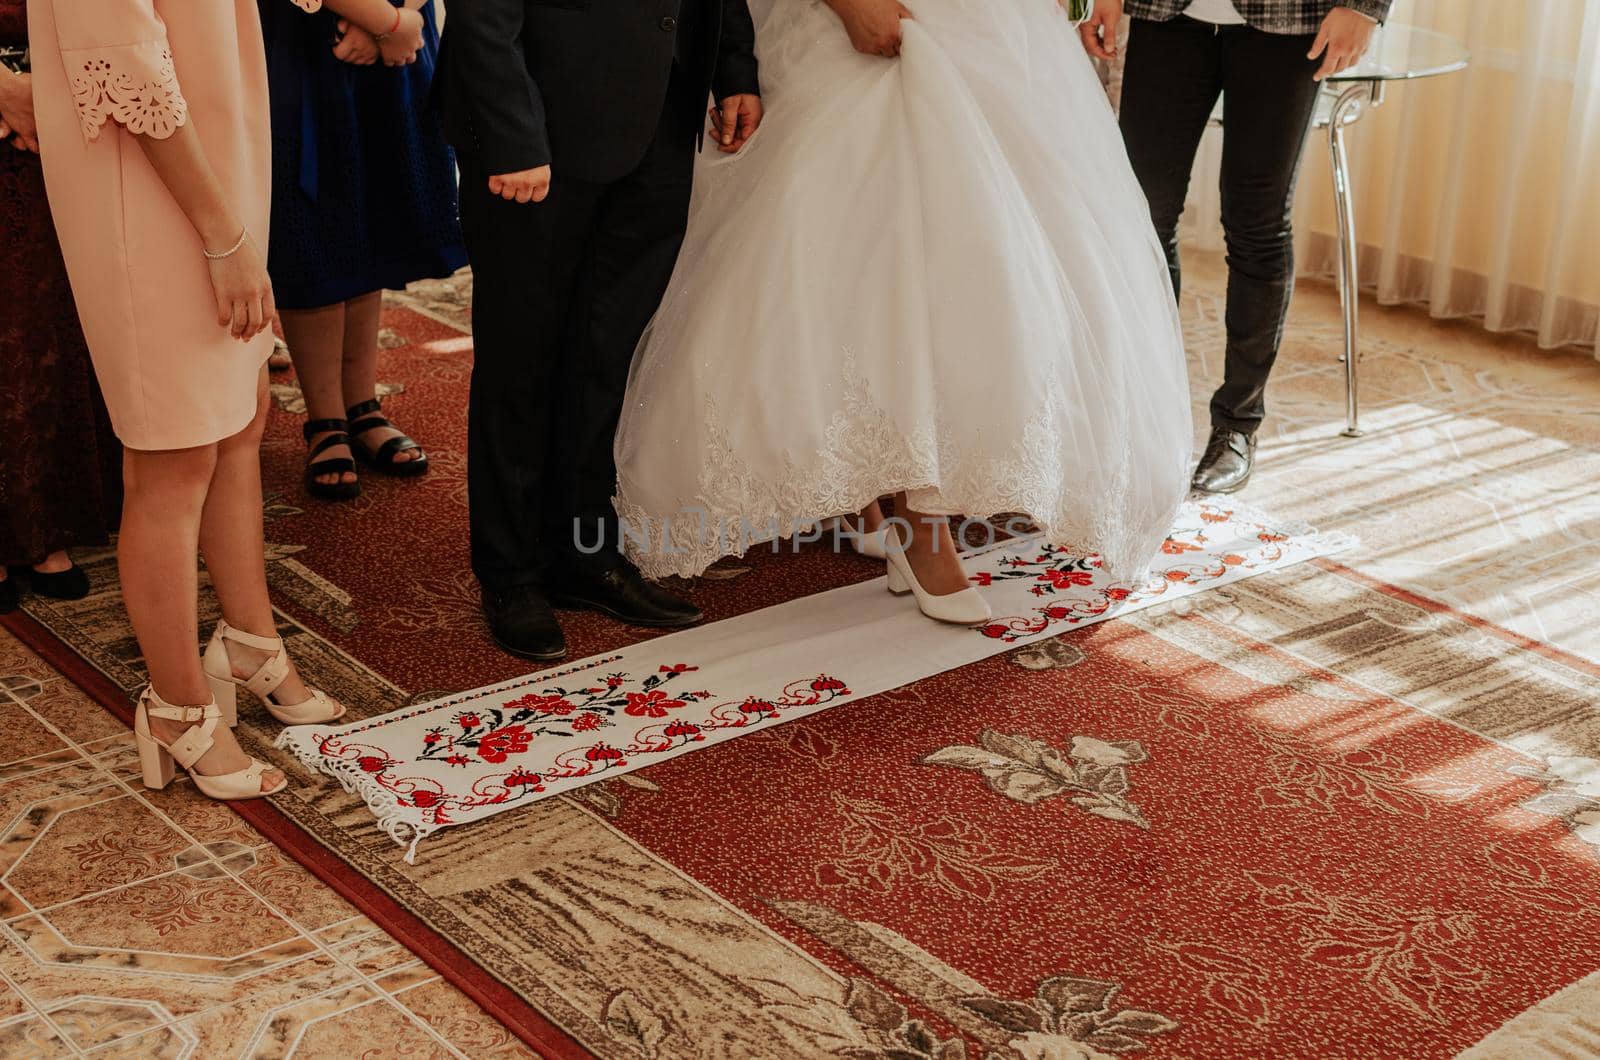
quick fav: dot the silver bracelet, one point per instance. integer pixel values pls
(244, 234)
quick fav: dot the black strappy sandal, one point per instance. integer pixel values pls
(336, 435)
(365, 417)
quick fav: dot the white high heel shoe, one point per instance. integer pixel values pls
(156, 758)
(964, 607)
(872, 545)
(320, 708)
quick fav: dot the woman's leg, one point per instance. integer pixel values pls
(164, 497)
(360, 374)
(316, 342)
(233, 540)
(931, 549)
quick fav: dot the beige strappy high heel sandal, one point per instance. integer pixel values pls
(320, 708)
(156, 758)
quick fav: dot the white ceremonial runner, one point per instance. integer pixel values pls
(479, 753)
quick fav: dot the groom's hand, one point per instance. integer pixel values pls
(735, 120)
(526, 185)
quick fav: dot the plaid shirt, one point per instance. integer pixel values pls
(1273, 16)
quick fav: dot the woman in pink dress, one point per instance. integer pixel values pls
(153, 130)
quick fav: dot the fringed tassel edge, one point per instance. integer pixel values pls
(385, 806)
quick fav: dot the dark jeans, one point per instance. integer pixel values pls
(1174, 73)
(562, 291)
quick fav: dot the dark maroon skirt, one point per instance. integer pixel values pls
(60, 464)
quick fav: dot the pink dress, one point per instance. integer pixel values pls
(102, 71)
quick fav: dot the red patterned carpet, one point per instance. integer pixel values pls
(1284, 819)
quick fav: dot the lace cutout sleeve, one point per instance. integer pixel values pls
(132, 84)
(308, 5)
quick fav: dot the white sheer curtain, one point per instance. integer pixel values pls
(1478, 193)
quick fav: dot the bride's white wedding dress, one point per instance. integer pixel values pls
(934, 274)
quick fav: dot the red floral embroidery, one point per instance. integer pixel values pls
(495, 733)
(652, 704)
(1053, 570)
(511, 740)
(1066, 579)
(552, 712)
(683, 728)
(543, 704)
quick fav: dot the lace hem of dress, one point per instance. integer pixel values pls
(135, 85)
(867, 456)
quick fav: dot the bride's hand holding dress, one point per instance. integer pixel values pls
(873, 25)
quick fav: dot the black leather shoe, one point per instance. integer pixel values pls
(9, 597)
(622, 593)
(521, 622)
(1228, 460)
(69, 584)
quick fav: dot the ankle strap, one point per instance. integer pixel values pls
(314, 427)
(249, 640)
(355, 412)
(156, 707)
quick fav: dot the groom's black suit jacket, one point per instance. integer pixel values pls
(580, 84)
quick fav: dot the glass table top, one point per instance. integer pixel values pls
(1400, 52)
(1397, 53)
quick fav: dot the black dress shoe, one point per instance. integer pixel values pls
(1228, 460)
(9, 597)
(622, 593)
(521, 622)
(69, 584)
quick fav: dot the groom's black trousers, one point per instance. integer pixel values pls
(1174, 72)
(562, 291)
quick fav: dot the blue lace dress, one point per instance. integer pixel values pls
(363, 183)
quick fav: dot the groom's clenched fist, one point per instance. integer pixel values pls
(734, 121)
(526, 185)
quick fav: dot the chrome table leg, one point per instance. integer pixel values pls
(1352, 103)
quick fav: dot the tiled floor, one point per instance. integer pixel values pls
(159, 924)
